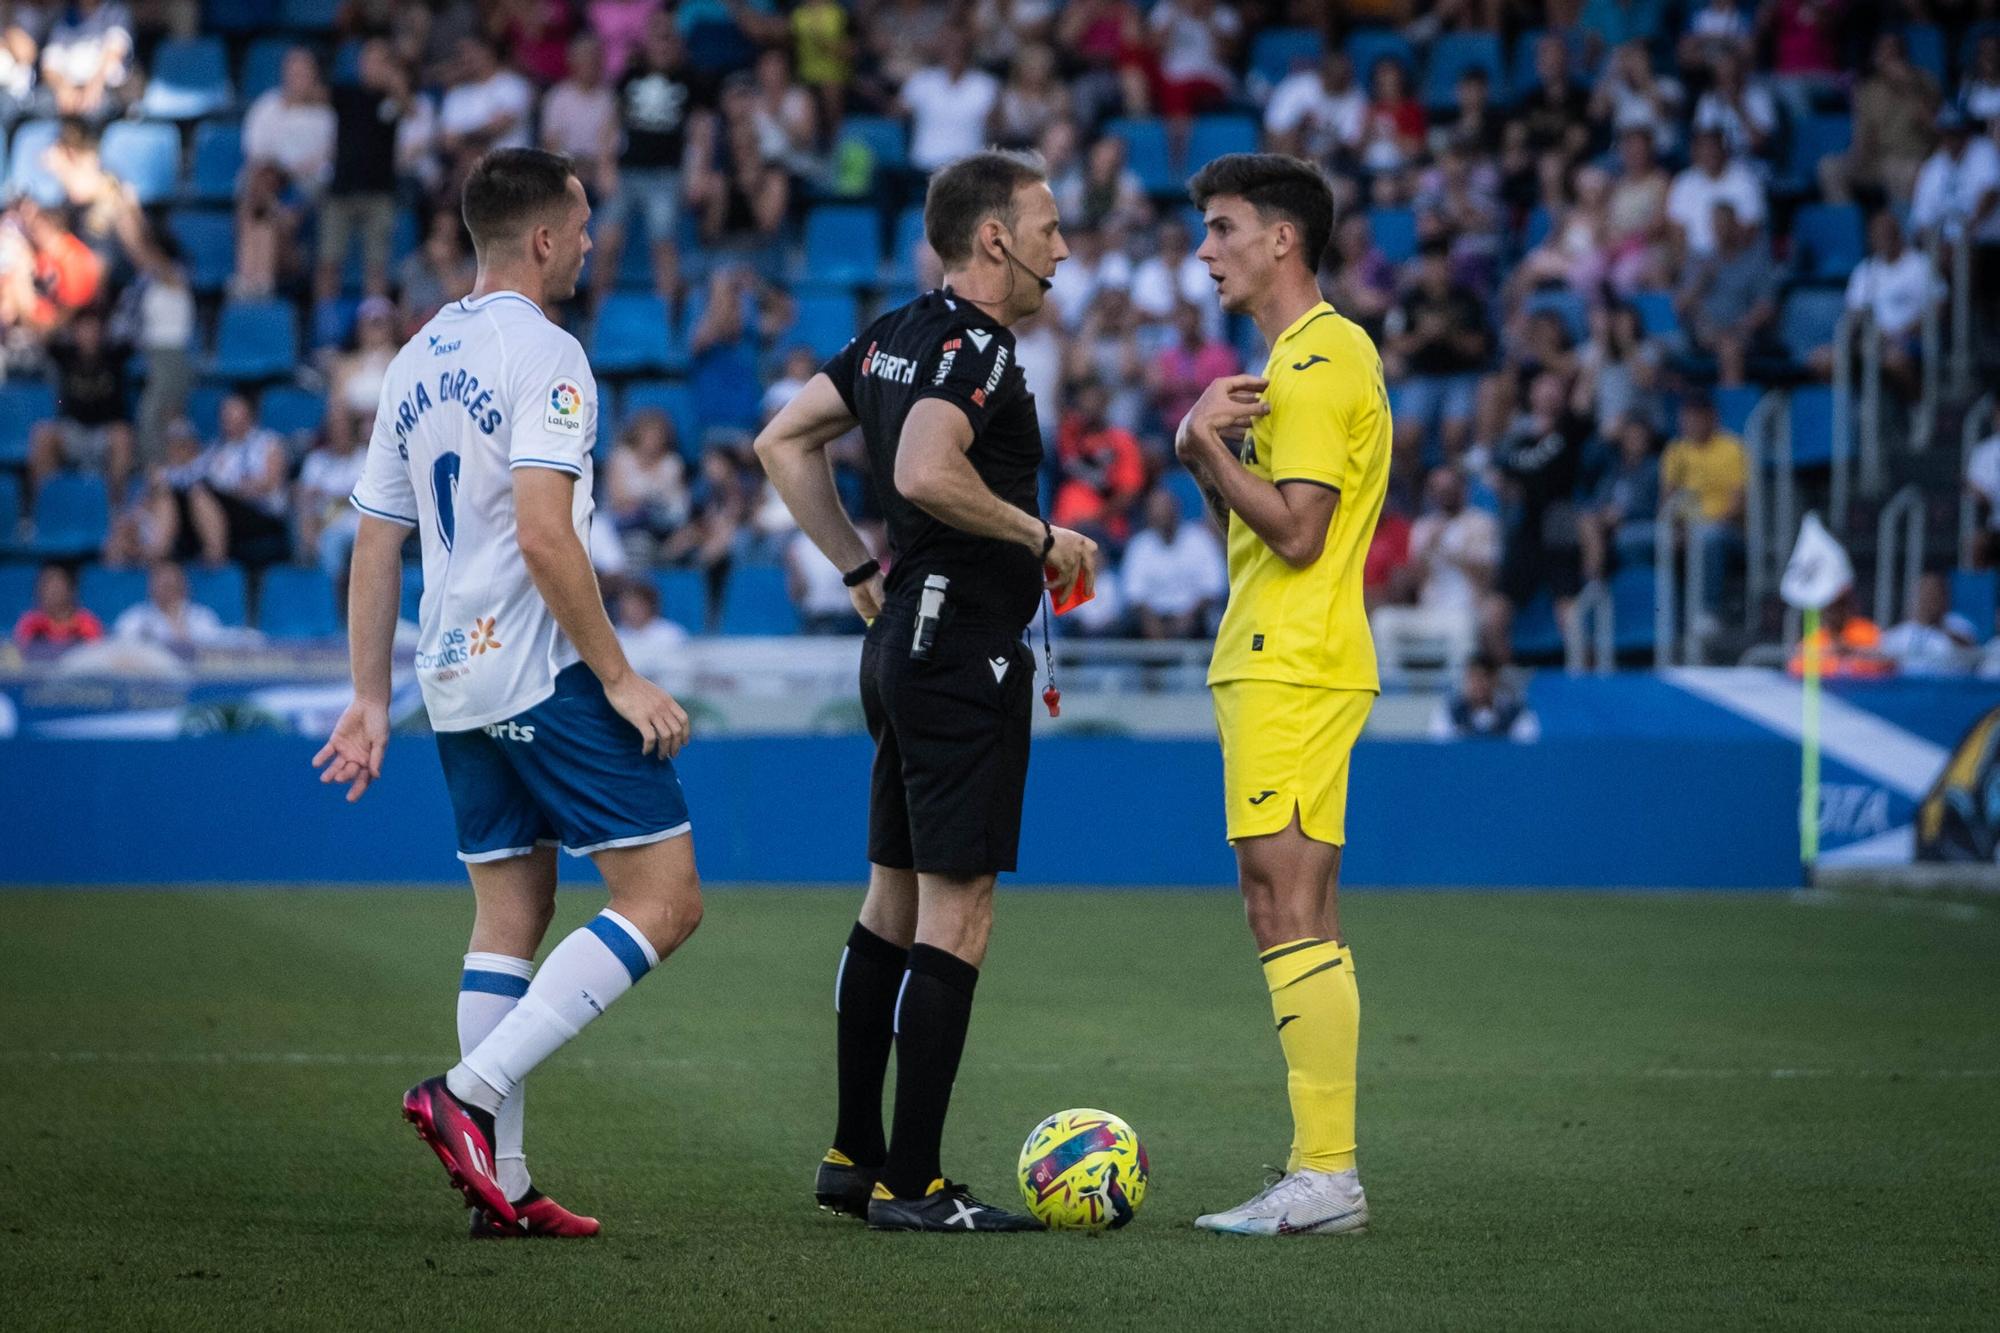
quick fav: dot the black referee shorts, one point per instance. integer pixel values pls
(951, 745)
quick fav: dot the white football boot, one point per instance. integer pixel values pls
(1304, 1203)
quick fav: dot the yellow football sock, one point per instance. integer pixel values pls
(1318, 1011)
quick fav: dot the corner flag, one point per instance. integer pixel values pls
(1818, 572)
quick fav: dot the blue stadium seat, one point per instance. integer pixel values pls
(668, 396)
(221, 590)
(1926, 47)
(1366, 46)
(25, 172)
(886, 138)
(413, 593)
(683, 597)
(1535, 228)
(23, 403)
(1813, 137)
(634, 333)
(1827, 241)
(17, 591)
(843, 245)
(1734, 403)
(827, 319)
(207, 238)
(189, 80)
(1216, 136)
(1807, 317)
(263, 67)
(1521, 78)
(1975, 594)
(635, 260)
(1634, 595)
(1187, 491)
(10, 510)
(288, 410)
(1656, 314)
(1536, 633)
(907, 241)
(1565, 303)
(146, 155)
(1146, 152)
(72, 515)
(1812, 426)
(235, 16)
(346, 71)
(255, 340)
(757, 602)
(403, 238)
(1395, 233)
(296, 603)
(215, 162)
(204, 410)
(1452, 54)
(1276, 52)
(309, 15)
(109, 593)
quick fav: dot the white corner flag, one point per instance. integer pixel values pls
(1818, 572)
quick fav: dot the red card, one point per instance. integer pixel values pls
(1076, 594)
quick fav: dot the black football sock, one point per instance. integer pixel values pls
(864, 1003)
(931, 1020)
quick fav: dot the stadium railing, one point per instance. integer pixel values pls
(1677, 600)
(1977, 418)
(1903, 520)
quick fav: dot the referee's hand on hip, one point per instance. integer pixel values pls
(867, 597)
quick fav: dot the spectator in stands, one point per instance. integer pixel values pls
(1728, 297)
(1982, 482)
(1707, 468)
(798, 367)
(903, 37)
(1556, 110)
(1577, 251)
(93, 197)
(1935, 640)
(1636, 216)
(169, 618)
(1108, 37)
(1457, 198)
(787, 118)
(1171, 277)
(816, 588)
(1979, 90)
(267, 227)
(1849, 643)
(1716, 30)
(361, 191)
(1482, 707)
(1618, 373)
(1317, 112)
(580, 116)
(823, 53)
(21, 29)
(94, 432)
(1432, 605)
(248, 475)
(1740, 109)
(1186, 367)
(1388, 553)
(1005, 28)
(1632, 96)
(740, 194)
(1619, 521)
(722, 499)
(46, 273)
(1173, 575)
(1711, 179)
(1104, 192)
(354, 377)
(1538, 463)
(160, 308)
(87, 60)
(1958, 200)
(437, 272)
(1194, 41)
(646, 483)
(536, 35)
(324, 523)
(485, 106)
(1608, 24)
(1363, 284)
(1392, 135)
(668, 121)
(177, 518)
(1472, 119)
(293, 126)
(1437, 344)
(56, 622)
(1893, 109)
(1895, 285)
(948, 102)
(724, 346)
(1807, 56)
(1032, 99)
(654, 645)
(1102, 473)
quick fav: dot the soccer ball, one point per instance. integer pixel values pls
(1083, 1170)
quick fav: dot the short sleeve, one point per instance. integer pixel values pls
(1315, 414)
(555, 412)
(973, 369)
(384, 490)
(840, 368)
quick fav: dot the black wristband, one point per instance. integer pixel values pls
(1048, 539)
(861, 573)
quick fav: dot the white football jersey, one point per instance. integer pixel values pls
(489, 385)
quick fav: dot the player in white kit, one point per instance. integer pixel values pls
(548, 738)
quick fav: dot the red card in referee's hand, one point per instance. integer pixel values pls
(1080, 590)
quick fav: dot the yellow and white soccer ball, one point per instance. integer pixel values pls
(1083, 1170)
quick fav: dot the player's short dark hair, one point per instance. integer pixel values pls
(971, 190)
(511, 188)
(1272, 183)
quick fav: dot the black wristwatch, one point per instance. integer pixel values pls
(861, 573)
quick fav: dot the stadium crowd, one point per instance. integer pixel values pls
(1585, 235)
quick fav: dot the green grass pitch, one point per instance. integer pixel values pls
(1577, 1111)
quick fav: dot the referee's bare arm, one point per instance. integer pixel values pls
(933, 473)
(793, 450)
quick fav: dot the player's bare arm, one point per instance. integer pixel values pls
(560, 567)
(1226, 408)
(933, 473)
(1290, 516)
(792, 449)
(374, 586)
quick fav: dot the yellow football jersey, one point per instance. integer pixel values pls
(1329, 424)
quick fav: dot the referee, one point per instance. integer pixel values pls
(946, 681)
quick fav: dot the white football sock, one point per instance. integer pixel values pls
(487, 993)
(581, 978)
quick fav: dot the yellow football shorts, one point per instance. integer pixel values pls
(1284, 748)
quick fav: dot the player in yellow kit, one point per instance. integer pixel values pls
(1296, 462)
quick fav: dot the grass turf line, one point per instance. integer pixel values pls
(1577, 1111)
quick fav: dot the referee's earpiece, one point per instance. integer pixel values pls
(1012, 258)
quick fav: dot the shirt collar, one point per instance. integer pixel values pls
(481, 302)
(1319, 308)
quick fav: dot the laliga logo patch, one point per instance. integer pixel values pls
(565, 408)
